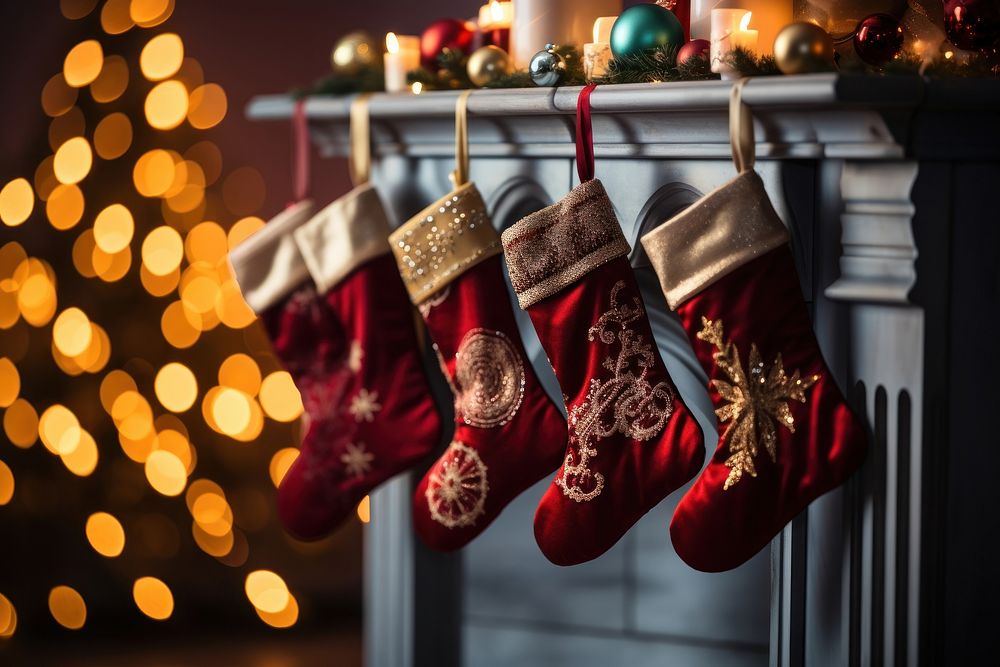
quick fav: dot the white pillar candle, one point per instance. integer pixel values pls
(402, 56)
(730, 29)
(560, 22)
(769, 17)
(597, 54)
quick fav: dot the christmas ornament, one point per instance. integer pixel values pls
(643, 27)
(331, 301)
(355, 51)
(878, 38)
(972, 24)
(696, 48)
(632, 440)
(801, 48)
(787, 435)
(508, 433)
(444, 34)
(487, 64)
(547, 68)
(682, 10)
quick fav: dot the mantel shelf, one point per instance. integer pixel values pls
(805, 116)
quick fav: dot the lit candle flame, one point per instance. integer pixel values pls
(417, 87)
(744, 23)
(391, 43)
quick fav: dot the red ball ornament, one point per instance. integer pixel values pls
(878, 38)
(696, 48)
(441, 35)
(972, 24)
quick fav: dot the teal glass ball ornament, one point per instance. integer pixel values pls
(645, 27)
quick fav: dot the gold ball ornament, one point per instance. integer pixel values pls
(354, 51)
(803, 48)
(487, 64)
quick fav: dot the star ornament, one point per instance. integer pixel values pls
(756, 401)
(364, 405)
(356, 459)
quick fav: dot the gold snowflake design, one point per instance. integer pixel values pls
(457, 487)
(354, 356)
(364, 405)
(356, 459)
(754, 401)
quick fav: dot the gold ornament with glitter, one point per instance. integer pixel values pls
(754, 401)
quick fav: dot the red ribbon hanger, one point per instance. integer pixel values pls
(584, 135)
(300, 152)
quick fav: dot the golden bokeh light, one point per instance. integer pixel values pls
(83, 63)
(71, 332)
(112, 81)
(280, 398)
(166, 105)
(153, 598)
(191, 73)
(206, 242)
(166, 473)
(365, 510)
(200, 293)
(176, 387)
(105, 534)
(59, 429)
(200, 487)
(231, 308)
(10, 382)
(76, 9)
(113, 136)
(281, 462)
(217, 546)
(58, 97)
(115, 17)
(17, 201)
(37, 297)
(8, 617)
(67, 607)
(177, 444)
(83, 460)
(64, 206)
(213, 514)
(243, 229)
(153, 173)
(20, 423)
(207, 106)
(159, 285)
(240, 371)
(231, 411)
(267, 591)
(285, 618)
(67, 126)
(114, 384)
(45, 178)
(111, 267)
(73, 161)
(162, 251)
(83, 251)
(113, 228)
(6, 485)
(148, 13)
(162, 56)
(133, 416)
(177, 327)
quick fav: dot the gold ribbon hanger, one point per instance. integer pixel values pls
(361, 140)
(460, 176)
(741, 129)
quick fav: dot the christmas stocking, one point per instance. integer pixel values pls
(337, 314)
(632, 441)
(508, 433)
(787, 434)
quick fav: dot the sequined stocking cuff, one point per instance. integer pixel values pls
(555, 247)
(343, 236)
(269, 265)
(443, 241)
(719, 233)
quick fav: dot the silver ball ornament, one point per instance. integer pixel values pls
(487, 64)
(547, 68)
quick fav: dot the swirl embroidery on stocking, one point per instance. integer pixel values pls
(457, 487)
(625, 403)
(490, 377)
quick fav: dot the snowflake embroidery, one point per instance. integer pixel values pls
(356, 459)
(754, 401)
(364, 405)
(457, 487)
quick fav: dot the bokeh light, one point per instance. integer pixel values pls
(58, 97)
(165, 472)
(71, 332)
(59, 429)
(73, 161)
(162, 251)
(64, 207)
(6, 486)
(112, 81)
(8, 618)
(285, 618)
(207, 106)
(281, 461)
(176, 387)
(76, 9)
(113, 228)
(113, 136)
(83, 63)
(82, 461)
(20, 423)
(10, 382)
(148, 13)
(153, 173)
(240, 371)
(162, 56)
(267, 591)
(105, 534)
(67, 607)
(166, 105)
(115, 17)
(365, 510)
(153, 598)
(280, 398)
(17, 201)
(231, 411)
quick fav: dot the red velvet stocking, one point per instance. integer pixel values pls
(508, 433)
(787, 434)
(351, 347)
(632, 441)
